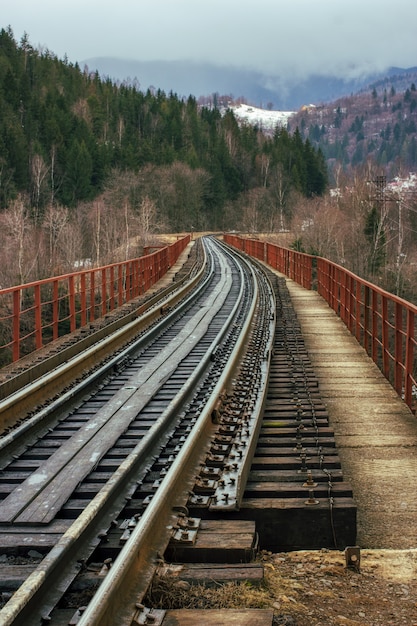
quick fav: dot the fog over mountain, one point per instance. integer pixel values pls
(203, 79)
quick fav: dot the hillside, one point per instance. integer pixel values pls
(379, 123)
(90, 169)
(203, 79)
(86, 165)
(58, 122)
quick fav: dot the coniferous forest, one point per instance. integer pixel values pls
(71, 141)
(91, 170)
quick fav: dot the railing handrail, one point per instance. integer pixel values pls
(366, 283)
(59, 277)
(34, 313)
(383, 323)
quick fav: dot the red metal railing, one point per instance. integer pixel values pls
(295, 265)
(385, 325)
(33, 314)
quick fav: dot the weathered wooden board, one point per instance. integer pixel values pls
(217, 541)
(212, 574)
(219, 617)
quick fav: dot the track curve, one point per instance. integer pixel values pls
(138, 431)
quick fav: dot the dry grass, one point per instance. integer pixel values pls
(311, 588)
(168, 593)
(173, 593)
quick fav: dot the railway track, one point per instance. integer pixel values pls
(104, 474)
(25, 385)
(199, 438)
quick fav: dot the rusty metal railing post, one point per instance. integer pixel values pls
(374, 330)
(128, 280)
(141, 275)
(83, 300)
(16, 324)
(366, 320)
(409, 358)
(111, 288)
(92, 296)
(358, 312)
(38, 316)
(55, 309)
(72, 310)
(120, 284)
(103, 292)
(344, 314)
(398, 349)
(385, 336)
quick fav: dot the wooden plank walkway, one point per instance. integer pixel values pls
(375, 432)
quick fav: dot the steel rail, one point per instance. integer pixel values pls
(20, 610)
(123, 588)
(28, 388)
(98, 328)
(229, 492)
(149, 324)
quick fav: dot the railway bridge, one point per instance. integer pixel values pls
(375, 431)
(285, 382)
(362, 345)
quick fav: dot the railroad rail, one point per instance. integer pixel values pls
(28, 382)
(104, 468)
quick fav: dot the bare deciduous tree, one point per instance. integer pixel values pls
(146, 219)
(39, 172)
(19, 240)
(96, 219)
(54, 222)
(279, 188)
(254, 210)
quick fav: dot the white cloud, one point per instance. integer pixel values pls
(291, 38)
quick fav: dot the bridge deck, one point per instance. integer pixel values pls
(375, 432)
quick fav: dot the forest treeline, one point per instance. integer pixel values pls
(91, 169)
(144, 161)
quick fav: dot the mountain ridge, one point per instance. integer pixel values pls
(265, 91)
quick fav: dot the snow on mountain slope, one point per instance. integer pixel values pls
(267, 120)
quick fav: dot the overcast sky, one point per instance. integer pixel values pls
(278, 37)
